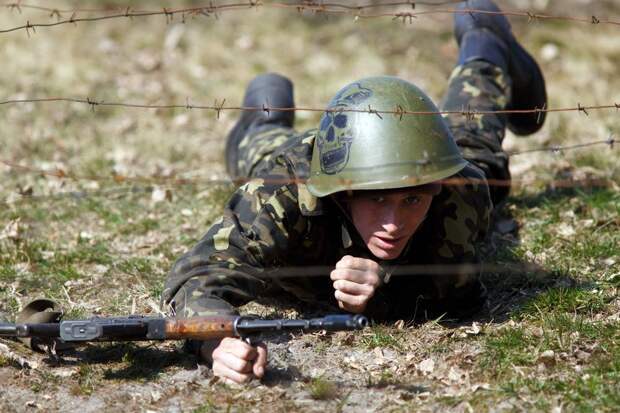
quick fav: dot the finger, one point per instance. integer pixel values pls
(239, 348)
(357, 309)
(233, 362)
(354, 300)
(353, 288)
(361, 277)
(349, 274)
(261, 361)
(357, 263)
(223, 371)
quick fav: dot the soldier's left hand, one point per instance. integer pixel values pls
(355, 281)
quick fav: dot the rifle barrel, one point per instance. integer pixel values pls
(245, 325)
(8, 330)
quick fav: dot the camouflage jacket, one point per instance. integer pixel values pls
(274, 232)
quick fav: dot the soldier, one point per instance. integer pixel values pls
(365, 196)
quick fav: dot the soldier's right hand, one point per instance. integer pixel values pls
(235, 360)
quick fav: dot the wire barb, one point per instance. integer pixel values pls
(540, 113)
(375, 112)
(218, 108)
(92, 103)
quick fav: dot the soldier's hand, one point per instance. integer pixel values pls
(355, 281)
(236, 361)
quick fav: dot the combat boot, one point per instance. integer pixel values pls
(268, 90)
(489, 37)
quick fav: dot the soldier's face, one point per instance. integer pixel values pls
(386, 220)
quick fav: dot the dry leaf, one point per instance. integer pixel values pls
(156, 396)
(426, 366)
(159, 195)
(480, 386)
(547, 357)
(474, 330)
(565, 230)
(60, 372)
(538, 332)
(11, 230)
(379, 360)
(456, 375)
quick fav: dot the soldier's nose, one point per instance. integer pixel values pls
(390, 228)
(390, 220)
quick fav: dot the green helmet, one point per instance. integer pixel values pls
(363, 149)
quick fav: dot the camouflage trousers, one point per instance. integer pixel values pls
(475, 86)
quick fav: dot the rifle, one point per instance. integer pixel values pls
(144, 328)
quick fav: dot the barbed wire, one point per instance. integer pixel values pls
(15, 199)
(404, 270)
(610, 141)
(219, 107)
(81, 194)
(176, 181)
(19, 5)
(325, 9)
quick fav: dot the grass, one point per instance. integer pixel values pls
(86, 382)
(381, 336)
(569, 311)
(565, 300)
(322, 389)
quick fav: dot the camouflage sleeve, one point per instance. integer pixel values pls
(226, 267)
(461, 217)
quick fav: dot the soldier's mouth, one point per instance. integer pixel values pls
(388, 243)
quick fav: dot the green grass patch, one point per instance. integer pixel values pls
(322, 389)
(86, 380)
(207, 407)
(590, 392)
(42, 265)
(506, 349)
(140, 227)
(382, 337)
(137, 266)
(564, 300)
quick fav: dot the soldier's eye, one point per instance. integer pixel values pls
(377, 199)
(412, 200)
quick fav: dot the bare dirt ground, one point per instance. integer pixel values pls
(547, 340)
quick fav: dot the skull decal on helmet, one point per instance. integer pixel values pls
(334, 138)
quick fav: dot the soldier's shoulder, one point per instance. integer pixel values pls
(297, 154)
(287, 171)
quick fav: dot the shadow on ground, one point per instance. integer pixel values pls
(126, 361)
